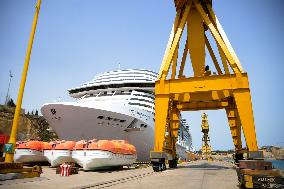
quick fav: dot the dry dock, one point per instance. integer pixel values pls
(199, 174)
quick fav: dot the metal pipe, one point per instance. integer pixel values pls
(9, 158)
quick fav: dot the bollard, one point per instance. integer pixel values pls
(65, 170)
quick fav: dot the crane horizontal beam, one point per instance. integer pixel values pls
(195, 106)
(202, 84)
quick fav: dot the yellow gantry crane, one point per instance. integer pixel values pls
(206, 148)
(227, 89)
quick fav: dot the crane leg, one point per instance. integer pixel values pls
(158, 156)
(173, 132)
(244, 106)
(235, 127)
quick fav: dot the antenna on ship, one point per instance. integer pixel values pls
(119, 65)
(7, 95)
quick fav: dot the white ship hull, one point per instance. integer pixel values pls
(119, 104)
(58, 157)
(181, 152)
(99, 159)
(28, 156)
(77, 121)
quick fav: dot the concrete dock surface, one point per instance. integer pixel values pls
(199, 174)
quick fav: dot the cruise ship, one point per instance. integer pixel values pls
(115, 105)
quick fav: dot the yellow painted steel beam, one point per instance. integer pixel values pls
(213, 56)
(160, 121)
(180, 3)
(243, 102)
(163, 74)
(174, 64)
(173, 128)
(175, 57)
(169, 44)
(30, 174)
(175, 119)
(218, 38)
(170, 147)
(10, 156)
(202, 84)
(221, 53)
(182, 64)
(203, 96)
(196, 106)
(224, 60)
(9, 170)
(224, 37)
(235, 126)
(196, 45)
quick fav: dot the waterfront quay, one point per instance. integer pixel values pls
(198, 174)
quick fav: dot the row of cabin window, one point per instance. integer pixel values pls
(139, 104)
(105, 93)
(110, 118)
(89, 88)
(130, 73)
(142, 100)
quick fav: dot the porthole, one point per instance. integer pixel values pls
(108, 118)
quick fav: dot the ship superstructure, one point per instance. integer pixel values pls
(118, 105)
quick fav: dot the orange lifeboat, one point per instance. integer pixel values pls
(29, 152)
(106, 145)
(92, 145)
(80, 145)
(79, 150)
(33, 145)
(103, 154)
(47, 146)
(132, 149)
(59, 152)
(68, 145)
(124, 147)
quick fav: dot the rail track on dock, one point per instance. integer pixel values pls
(113, 182)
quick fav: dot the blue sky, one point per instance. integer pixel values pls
(77, 39)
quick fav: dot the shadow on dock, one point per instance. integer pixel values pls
(108, 169)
